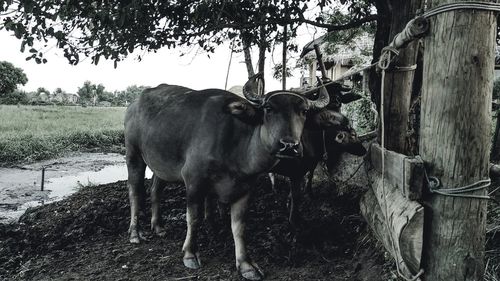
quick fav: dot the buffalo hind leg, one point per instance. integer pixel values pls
(136, 169)
(245, 266)
(156, 191)
(193, 218)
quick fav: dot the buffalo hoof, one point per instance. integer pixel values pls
(251, 271)
(192, 262)
(134, 237)
(159, 231)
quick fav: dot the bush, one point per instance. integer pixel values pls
(16, 97)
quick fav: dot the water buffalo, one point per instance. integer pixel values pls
(330, 142)
(325, 144)
(216, 143)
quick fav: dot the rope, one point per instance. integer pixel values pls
(405, 68)
(468, 5)
(434, 185)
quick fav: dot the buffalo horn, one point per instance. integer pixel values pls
(323, 98)
(253, 90)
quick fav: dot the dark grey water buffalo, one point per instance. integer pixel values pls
(330, 142)
(216, 143)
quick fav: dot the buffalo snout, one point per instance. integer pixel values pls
(289, 148)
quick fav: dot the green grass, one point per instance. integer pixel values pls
(30, 133)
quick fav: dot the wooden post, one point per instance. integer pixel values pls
(455, 138)
(43, 178)
(319, 59)
(312, 73)
(399, 78)
(390, 206)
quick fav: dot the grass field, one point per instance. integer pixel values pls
(29, 133)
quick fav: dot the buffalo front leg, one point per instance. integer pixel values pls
(245, 266)
(272, 179)
(193, 218)
(136, 169)
(156, 191)
(295, 199)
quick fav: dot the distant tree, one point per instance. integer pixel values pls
(128, 95)
(42, 90)
(10, 77)
(90, 93)
(106, 96)
(15, 97)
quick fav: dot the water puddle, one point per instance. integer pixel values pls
(20, 188)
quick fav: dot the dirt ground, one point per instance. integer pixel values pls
(84, 237)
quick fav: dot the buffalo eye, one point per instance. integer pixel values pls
(339, 137)
(303, 111)
(268, 108)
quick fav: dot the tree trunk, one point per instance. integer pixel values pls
(262, 49)
(380, 41)
(398, 83)
(248, 60)
(283, 60)
(455, 139)
(247, 51)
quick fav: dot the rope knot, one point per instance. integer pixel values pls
(387, 56)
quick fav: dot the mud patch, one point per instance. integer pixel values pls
(84, 237)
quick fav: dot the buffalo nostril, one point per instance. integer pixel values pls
(288, 145)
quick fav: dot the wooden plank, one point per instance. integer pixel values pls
(396, 221)
(405, 172)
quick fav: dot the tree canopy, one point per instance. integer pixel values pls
(114, 29)
(10, 77)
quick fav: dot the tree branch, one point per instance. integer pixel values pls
(333, 27)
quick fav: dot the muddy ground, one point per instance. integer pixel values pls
(84, 237)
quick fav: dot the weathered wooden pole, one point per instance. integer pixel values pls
(43, 179)
(390, 206)
(455, 138)
(399, 79)
(319, 59)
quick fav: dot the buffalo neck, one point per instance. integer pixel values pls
(251, 155)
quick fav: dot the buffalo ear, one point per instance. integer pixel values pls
(327, 119)
(244, 111)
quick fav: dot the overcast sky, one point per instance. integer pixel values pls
(165, 66)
